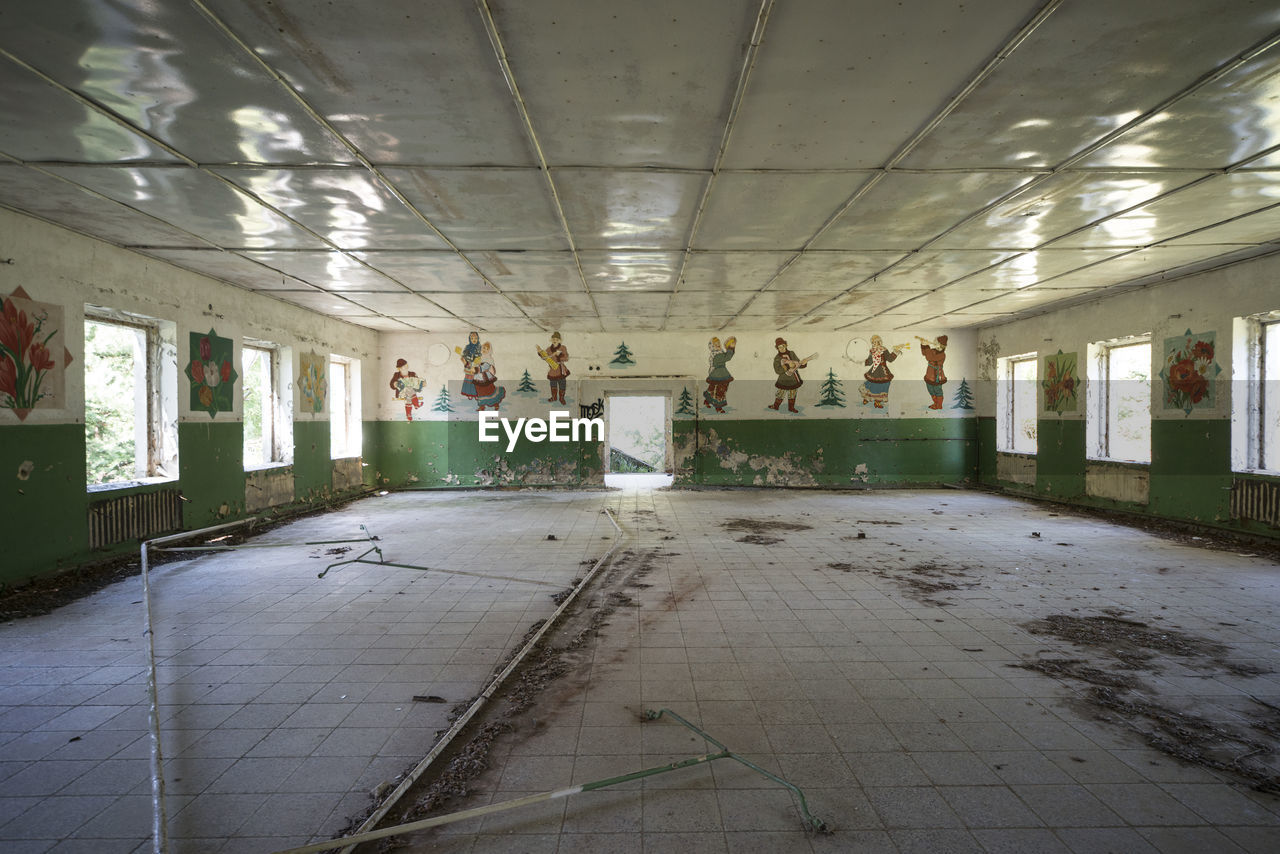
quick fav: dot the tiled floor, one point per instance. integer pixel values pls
(876, 673)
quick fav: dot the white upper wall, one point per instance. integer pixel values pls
(1203, 303)
(67, 269)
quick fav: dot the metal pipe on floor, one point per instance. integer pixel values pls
(159, 822)
(380, 813)
(811, 821)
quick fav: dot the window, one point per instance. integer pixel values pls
(1016, 404)
(1118, 400)
(131, 394)
(344, 407)
(1255, 399)
(267, 420)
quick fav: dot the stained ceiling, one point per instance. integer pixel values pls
(515, 165)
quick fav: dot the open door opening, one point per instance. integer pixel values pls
(639, 441)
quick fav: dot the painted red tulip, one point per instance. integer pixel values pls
(197, 372)
(226, 370)
(206, 348)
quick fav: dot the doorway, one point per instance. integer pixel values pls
(639, 440)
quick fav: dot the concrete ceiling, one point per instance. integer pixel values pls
(516, 165)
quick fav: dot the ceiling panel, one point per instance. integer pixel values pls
(902, 211)
(427, 271)
(76, 208)
(230, 267)
(1224, 122)
(1252, 229)
(784, 302)
(194, 201)
(834, 271)
(384, 324)
(836, 89)
(151, 64)
(682, 322)
(928, 270)
(630, 271)
(409, 305)
(631, 209)
(43, 123)
(326, 270)
(484, 208)
(325, 303)
(658, 183)
(1123, 268)
(1086, 71)
(439, 324)
(649, 307)
(508, 324)
(661, 76)
(403, 81)
(530, 271)
(1207, 203)
(731, 271)
(350, 208)
(1061, 204)
(478, 305)
(1026, 269)
(544, 304)
(766, 210)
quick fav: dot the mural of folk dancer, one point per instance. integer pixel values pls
(935, 353)
(718, 376)
(407, 387)
(875, 388)
(787, 366)
(485, 378)
(556, 356)
(470, 355)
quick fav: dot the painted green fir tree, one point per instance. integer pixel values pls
(442, 403)
(526, 385)
(831, 390)
(622, 356)
(963, 398)
(686, 403)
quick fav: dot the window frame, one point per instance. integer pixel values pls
(1099, 399)
(347, 410)
(156, 444)
(1006, 403)
(277, 411)
(1250, 447)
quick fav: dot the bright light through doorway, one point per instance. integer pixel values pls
(639, 432)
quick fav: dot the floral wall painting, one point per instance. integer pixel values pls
(1061, 382)
(33, 359)
(1189, 371)
(212, 372)
(313, 385)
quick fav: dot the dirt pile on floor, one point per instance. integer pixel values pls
(1236, 735)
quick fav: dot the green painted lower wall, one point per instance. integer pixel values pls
(53, 501)
(828, 452)
(1060, 458)
(43, 517)
(1190, 471)
(449, 453)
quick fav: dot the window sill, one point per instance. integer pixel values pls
(128, 484)
(267, 467)
(1031, 455)
(1125, 463)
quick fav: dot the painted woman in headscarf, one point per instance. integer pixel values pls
(470, 355)
(875, 388)
(485, 377)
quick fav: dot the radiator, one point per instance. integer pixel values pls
(134, 517)
(1256, 500)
